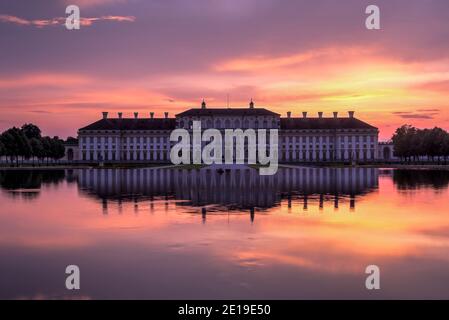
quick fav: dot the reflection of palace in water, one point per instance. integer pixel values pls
(240, 187)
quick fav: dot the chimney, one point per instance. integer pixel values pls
(251, 104)
(166, 115)
(320, 114)
(152, 115)
(289, 114)
(136, 115)
(351, 114)
(120, 114)
(105, 115)
(335, 114)
(203, 104)
(304, 114)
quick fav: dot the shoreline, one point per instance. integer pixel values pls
(281, 165)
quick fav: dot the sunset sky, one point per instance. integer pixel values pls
(167, 55)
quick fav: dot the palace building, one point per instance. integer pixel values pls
(301, 139)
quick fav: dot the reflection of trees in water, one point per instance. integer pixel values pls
(26, 182)
(24, 195)
(71, 176)
(417, 179)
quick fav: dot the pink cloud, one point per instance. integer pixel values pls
(39, 23)
(94, 3)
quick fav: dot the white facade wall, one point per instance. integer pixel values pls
(331, 145)
(125, 146)
(294, 145)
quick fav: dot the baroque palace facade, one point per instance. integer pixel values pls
(301, 139)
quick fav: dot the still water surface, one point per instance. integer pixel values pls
(179, 234)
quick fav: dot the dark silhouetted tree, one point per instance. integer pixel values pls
(57, 148)
(37, 148)
(411, 143)
(2, 148)
(31, 131)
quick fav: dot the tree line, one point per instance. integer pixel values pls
(412, 144)
(27, 143)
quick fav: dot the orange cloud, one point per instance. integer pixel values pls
(43, 79)
(258, 63)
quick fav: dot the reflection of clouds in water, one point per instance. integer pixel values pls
(153, 246)
(43, 296)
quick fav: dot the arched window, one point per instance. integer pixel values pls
(190, 124)
(237, 123)
(265, 124)
(181, 124)
(218, 124)
(246, 124)
(227, 124)
(209, 123)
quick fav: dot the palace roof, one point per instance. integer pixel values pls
(132, 124)
(324, 123)
(291, 123)
(198, 112)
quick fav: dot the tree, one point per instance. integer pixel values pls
(71, 140)
(2, 148)
(31, 131)
(57, 148)
(433, 141)
(27, 142)
(37, 148)
(445, 146)
(402, 141)
(410, 142)
(46, 144)
(11, 141)
(25, 150)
